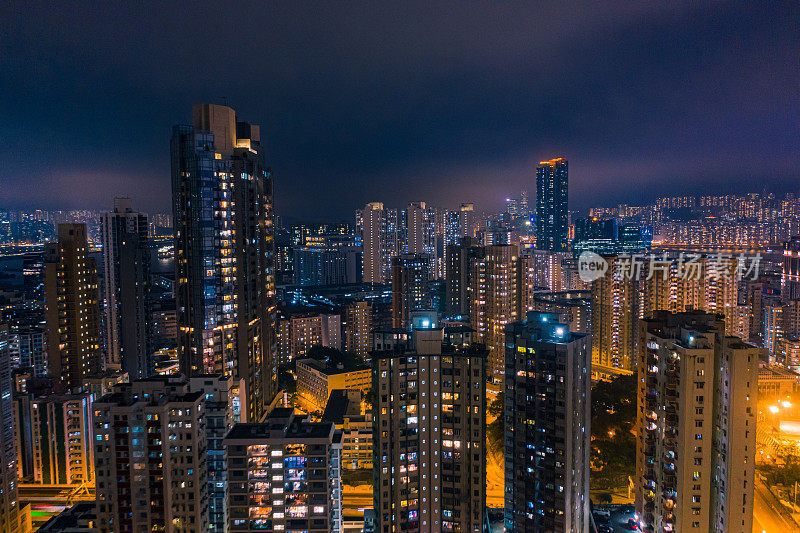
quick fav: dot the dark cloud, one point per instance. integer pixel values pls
(364, 101)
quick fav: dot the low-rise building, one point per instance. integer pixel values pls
(316, 379)
(776, 383)
(344, 409)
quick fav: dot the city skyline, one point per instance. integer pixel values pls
(419, 267)
(633, 110)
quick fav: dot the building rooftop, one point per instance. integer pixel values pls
(282, 423)
(332, 370)
(776, 372)
(74, 519)
(342, 403)
(544, 327)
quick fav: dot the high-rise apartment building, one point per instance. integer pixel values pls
(790, 280)
(458, 272)
(547, 426)
(466, 220)
(373, 226)
(696, 425)
(327, 266)
(284, 475)
(615, 314)
(551, 205)
(538, 270)
(356, 327)
(410, 287)
(126, 281)
(425, 235)
(29, 347)
(72, 308)
(382, 237)
(429, 428)
(9, 505)
(494, 303)
(54, 438)
(150, 456)
(417, 227)
(299, 332)
(219, 413)
(224, 251)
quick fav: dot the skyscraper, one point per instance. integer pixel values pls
(150, 454)
(494, 303)
(410, 287)
(416, 218)
(284, 474)
(429, 428)
(382, 237)
(547, 426)
(54, 437)
(224, 250)
(374, 225)
(615, 315)
(9, 506)
(126, 280)
(551, 205)
(458, 274)
(466, 220)
(72, 309)
(218, 410)
(696, 425)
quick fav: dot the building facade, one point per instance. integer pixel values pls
(430, 431)
(284, 475)
(54, 438)
(410, 287)
(126, 282)
(150, 456)
(696, 425)
(494, 303)
(72, 309)
(547, 426)
(552, 205)
(224, 252)
(9, 503)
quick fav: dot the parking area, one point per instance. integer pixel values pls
(614, 518)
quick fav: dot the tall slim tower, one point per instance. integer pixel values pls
(126, 267)
(224, 252)
(415, 220)
(410, 287)
(429, 427)
(547, 413)
(494, 303)
(371, 241)
(696, 425)
(9, 506)
(466, 220)
(71, 308)
(551, 205)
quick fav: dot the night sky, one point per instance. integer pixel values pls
(438, 101)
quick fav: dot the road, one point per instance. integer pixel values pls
(768, 514)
